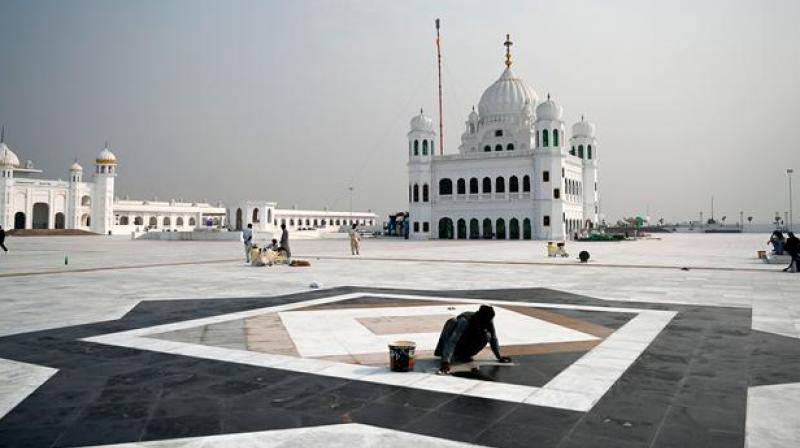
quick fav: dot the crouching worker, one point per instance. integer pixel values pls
(467, 334)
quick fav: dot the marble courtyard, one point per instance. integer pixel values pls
(180, 344)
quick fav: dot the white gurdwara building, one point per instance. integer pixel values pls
(32, 203)
(515, 175)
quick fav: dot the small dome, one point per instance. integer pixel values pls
(583, 128)
(421, 122)
(7, 156)
(507, 96)
(106, 156)
(549, 110)
(473, 116)
(76, 166)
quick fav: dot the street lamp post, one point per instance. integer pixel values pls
(351, 204)
(789, 173)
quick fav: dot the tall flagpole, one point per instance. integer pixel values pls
(439, 61)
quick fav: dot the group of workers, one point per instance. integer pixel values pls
(276, 252)
(789, 245)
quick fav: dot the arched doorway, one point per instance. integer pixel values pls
(19, 220)
(238, 219)
(255, 215)
(501, 229)
(487, 229)
(60, 221)
(86, 220)
(461, 227)
(41, 215)
(474, 229)
(526, 228)
(445, 229)
(153, 222)
(513, 228)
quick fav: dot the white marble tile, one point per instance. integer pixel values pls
(18, 380)
(554, 398)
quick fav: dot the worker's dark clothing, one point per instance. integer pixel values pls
(792, 247)
(463, 337)
(3, 240)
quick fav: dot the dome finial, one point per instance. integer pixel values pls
(581, 117)
(421, 112)
(508, 45)
(548, 96)
(3, 134)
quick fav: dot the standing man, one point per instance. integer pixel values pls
(792, 247)
(355, 240)
(3, 239)
(247, 236)
(285, 243)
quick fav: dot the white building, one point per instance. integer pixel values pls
(32, 203)
(515, 175)
(266, 217)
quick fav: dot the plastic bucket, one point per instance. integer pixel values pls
(401, 356)
(762, 254)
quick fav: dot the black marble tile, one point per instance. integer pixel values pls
(448, 426)
(363, 390)
(416, 398)
(87, 432)
(479, 407)
(385, 415)
(183, 426)
(516, 435)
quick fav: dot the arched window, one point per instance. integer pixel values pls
(536, 137)
(416, 195)
(424, 147)
(572, 151)
(432, 148)
(445, 229)
(510, 147)
(487, 228)
(589, 152)
(179, 222)
(555, 138)
(513, 185)
(513, 229)
(500, 185)
(416, 147)
(545, 138)
(138, 221)
(461, 186)
(580, 151)
(487, 148)
(445, 187)
(461, 229)
(425, 193)
(526, 184)
(409, 195)
(123, 221)
(498, 148)
(255, 215)
(291, 221)
(526, 228)
(86, 201)
(192, 222)
(153, 221)
(487, 185)
(474, 229)
(471, 128)
(167, 221)
(500, 229)
(473, 185)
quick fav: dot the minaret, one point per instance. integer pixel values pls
(421, 148)
(8, 161)
(585, 144)
(548, 167)
(75, 189)
(103, 198)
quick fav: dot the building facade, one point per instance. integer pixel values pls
(27, 202)
(516, 174)
(266, 217)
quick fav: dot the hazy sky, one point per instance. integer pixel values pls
(293, 101)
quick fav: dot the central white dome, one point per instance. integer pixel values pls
(508, 95)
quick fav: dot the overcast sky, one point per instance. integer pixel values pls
(294, 101)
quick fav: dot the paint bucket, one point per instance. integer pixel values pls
(762, 254)
(401, 356)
